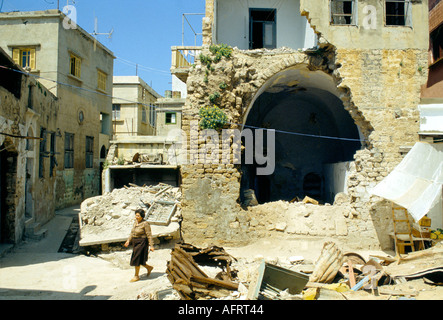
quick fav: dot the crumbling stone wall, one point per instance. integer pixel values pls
(19, 118)
(380, 88)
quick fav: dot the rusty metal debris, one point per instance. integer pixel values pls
(190, 281)
(277, 283)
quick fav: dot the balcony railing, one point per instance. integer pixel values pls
(183, 57)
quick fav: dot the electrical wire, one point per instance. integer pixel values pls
(166, 110)
(142, 67)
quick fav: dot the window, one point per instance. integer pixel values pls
(24, 57)
(343, 12)
(101, 80)
(262, 28)
(75, 64)
(398, 13)
(152, 115)
(89, 152)
(105, 122)
(144, 115)
(42, 153)
(52, 158)
(69, 150)
(171, 118)
(116, 111)
(437, 44)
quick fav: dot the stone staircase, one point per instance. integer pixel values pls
(34, 230)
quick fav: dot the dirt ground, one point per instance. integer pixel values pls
(37, 270)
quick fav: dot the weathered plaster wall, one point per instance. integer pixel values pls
(18, 119)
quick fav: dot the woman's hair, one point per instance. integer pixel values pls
(141, 212)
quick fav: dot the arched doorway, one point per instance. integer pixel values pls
(314, 137)
(103, 152)
(8, 181)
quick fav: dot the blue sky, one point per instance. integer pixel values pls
(144, 31)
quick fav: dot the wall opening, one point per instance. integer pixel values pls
(121, 177)
(29, 178)
(315, 139)
(262, 28)
(8, 180)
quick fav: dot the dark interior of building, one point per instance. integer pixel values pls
(315, 138)
(144, 176)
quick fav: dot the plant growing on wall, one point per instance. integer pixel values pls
(214, 97)
(218, 51)
(212, 118)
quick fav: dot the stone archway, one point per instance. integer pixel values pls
(315, 135)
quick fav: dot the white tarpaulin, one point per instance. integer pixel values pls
(416, 183)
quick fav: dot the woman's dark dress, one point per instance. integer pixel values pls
(141, 239)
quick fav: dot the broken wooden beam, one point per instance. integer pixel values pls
(220, 283)
(189, 280)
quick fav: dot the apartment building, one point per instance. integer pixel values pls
(77, 70)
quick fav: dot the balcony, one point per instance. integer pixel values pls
(183, 57)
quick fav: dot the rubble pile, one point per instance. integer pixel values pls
(334, 276)
(110, 217)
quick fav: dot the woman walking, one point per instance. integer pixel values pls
(141, 239)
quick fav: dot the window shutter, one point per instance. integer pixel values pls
(16, 56)
(32, 59)
(78, 64)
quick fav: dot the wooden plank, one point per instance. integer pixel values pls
(181, 271)
(184, 291)
(198, 285)
(224, 284)
(187, 264)
(189, 261)
(351, 274)
(396, 292)
(220, 293)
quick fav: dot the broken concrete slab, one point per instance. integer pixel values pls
(419, 264)
(109, 218)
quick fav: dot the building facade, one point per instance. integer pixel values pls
(338, 81)
(133, 111)
(78, 71)
(28, 112)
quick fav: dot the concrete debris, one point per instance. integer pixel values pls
(109, 218)
(213, 274)
(360, 280)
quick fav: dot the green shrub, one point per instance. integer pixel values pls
(214, 97)
(220, 50)
(212, 118)
(205, 60)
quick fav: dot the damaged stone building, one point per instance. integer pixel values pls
(78, 70)
(26, 106)
(339, 81)
(69, 111)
